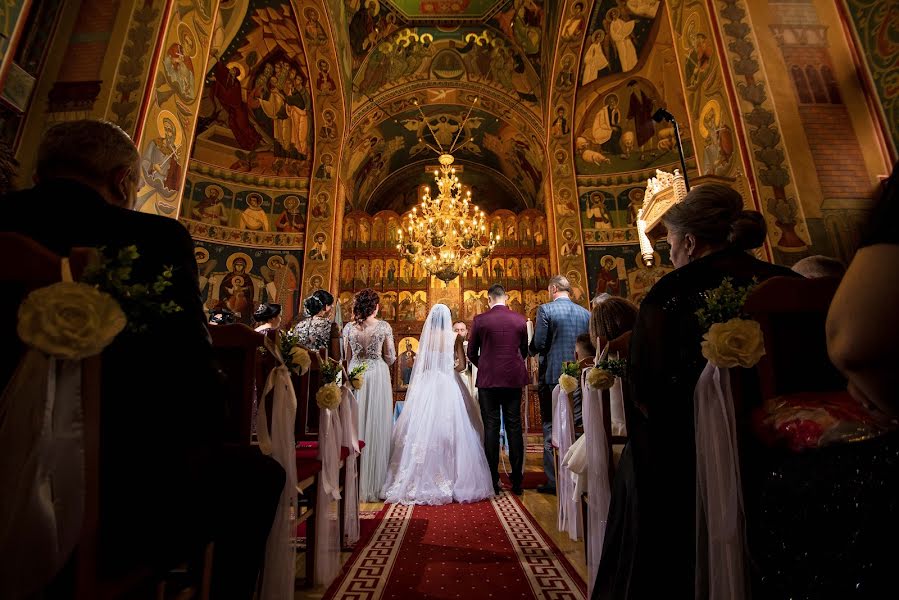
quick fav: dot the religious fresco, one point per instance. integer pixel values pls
(614, 129)
(236, 214)
(489, 190)
(484, 139)
(620, 270)
(468, 54)
(444, 8)
(166, 133)
(256, 112)
(240, 279)
(874, 23)
(608, 217)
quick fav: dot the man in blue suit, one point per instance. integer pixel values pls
(555, 335)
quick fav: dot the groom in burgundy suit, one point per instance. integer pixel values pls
(497, 346)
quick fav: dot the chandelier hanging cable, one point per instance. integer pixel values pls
(447, 234)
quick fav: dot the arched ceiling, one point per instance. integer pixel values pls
(442, 55)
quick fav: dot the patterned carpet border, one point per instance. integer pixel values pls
(364, 577)
(549, 573)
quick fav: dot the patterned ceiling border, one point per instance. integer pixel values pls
(566, 236)
(269, 181)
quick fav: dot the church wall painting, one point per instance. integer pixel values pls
(165, 134)
(874, 23)
(256, 111)
(240, 278)
(619, 270)
(222, 211)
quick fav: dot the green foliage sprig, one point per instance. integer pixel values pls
(571, 368)
(329, 371)
(723, 303)
(142, 303)
(615, 366)
(288, 340)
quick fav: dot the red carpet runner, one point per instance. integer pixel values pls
(490, 549)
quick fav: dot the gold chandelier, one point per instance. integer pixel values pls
(447, 234)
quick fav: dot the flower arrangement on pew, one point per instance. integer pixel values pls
(603, 375)
(356, 376)
(571, 373)
(328, 395)
(731, 340)
(295, 356)
(76, 319)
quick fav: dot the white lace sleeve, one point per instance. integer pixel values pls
(347, 347)
(389, 349)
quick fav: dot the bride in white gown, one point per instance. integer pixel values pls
(437, 454)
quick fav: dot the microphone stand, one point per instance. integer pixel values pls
(680, 151)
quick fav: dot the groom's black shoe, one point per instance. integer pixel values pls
(546, 489)
(516, 489)
(497, 490)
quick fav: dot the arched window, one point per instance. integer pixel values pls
(833, 89)
(817, 85)
(802, 90)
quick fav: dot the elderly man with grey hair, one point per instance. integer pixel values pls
(557, 326)
(166, 478)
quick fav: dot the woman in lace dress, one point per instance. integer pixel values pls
(369, 340)
(438, 451)
(318, 331)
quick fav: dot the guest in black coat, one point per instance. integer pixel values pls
(166, 481)
(650, 540)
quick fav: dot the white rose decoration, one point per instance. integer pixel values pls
(328, 396)
(737, 342)
(568, 383)
(356, 381)
(70, 320)
(299, 360)
(600, 379)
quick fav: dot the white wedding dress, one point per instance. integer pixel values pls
(437, 454)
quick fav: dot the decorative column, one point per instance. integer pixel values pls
(322, 253)
(771, 175)
(168, 117)
(566, 237)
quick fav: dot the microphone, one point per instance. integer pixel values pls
(663, 115)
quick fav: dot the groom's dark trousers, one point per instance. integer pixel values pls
(509, 400)
(497, 346)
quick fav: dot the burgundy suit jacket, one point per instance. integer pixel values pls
(497, 345)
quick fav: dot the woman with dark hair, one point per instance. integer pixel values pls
(369, 341)
(610, 318)
(267, 316)
(317, 331)
(651, 534)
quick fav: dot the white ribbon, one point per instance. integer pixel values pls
(280, 554)
(349, 418)
(720, 521)
(598, 487)
(570, 519)
(42, 489)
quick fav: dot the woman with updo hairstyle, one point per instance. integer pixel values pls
(611, 318)
(317, 331)
(369, 341)
(650, 536)
(267, 316)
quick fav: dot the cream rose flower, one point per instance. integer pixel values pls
(568, 383)
(299, 360)
(328, 396)
(356, 381)
(737, 342)
(70, 320)
(600, 379)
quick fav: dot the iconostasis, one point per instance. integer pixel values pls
(369, 259)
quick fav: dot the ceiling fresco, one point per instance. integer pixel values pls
(430, 9)
(387, 145)
(255, 115)
(489, 190)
